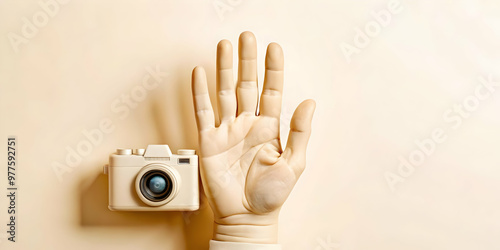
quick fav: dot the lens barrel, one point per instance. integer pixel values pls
(156, 185)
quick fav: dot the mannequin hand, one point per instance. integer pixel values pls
(246, 175)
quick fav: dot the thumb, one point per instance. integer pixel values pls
(300, 130)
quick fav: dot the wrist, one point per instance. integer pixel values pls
(247, 228)
(246, 233)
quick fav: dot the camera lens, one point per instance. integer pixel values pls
(156, 185)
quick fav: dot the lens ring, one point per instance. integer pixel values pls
(150, 194)
(143, 179)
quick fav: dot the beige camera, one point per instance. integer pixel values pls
(153, 179)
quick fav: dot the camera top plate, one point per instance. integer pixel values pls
(158, 151)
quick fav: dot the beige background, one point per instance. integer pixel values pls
(369, 112)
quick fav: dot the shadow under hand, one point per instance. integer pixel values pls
(173, 112)
(198, 225)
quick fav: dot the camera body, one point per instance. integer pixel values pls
(153, 179)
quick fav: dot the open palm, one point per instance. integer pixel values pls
(246, 175)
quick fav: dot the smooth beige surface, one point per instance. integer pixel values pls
(72, 74)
